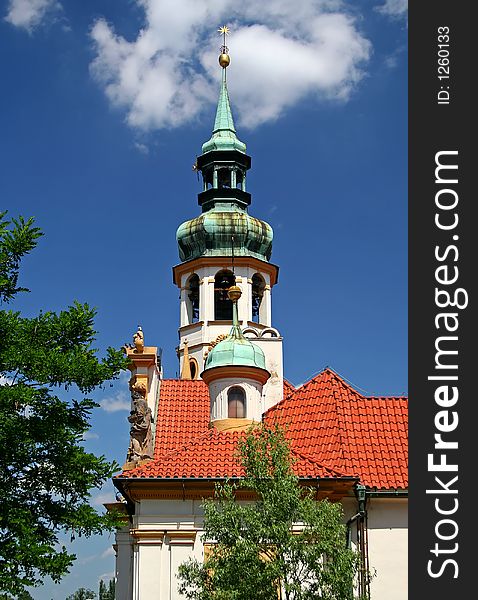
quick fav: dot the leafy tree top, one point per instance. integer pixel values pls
(17, 238)
(46, 475)
(285, 544)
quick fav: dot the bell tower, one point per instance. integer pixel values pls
(223, 247)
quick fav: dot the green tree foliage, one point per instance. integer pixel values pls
(17, 238)
(82, 594)
(45, 473)
(260, 552)
(107, 592)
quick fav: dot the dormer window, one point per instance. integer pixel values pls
(236, 403)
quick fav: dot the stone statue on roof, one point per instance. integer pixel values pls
(140, 418)
(138, 340)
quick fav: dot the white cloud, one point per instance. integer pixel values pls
(120, 401)
(90, 435)
(103, 498)
(393, 59)
(394, 8)
(106, 576)
(281, 52)
(108, 552)
(29, 14)
(143, 148)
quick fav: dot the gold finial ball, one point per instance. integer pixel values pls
(234, 293)
(224, 60)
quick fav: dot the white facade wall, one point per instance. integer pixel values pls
(166, 533)
(388, 547)
(273, 390)
(124, 564)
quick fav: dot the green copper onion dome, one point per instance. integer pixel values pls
(210, 234)
(236, 349)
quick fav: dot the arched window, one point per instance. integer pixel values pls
(258, 286)
(222, 304)
(193, 365)
(193, 297)
(236, 403)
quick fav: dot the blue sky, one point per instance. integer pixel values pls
(104, 107)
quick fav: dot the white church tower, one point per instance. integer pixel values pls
(225, 246)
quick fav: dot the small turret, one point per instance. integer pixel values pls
(235, 372)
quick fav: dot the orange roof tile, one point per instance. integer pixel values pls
(335, 432)
(213, 455)
(358, 435)
(183, 413)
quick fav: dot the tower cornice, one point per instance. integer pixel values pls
(224, 262)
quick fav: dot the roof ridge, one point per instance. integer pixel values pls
(314, 379)
(276, 406)
(341, 430)
(292, 393)
(386, 397)
(316, 462)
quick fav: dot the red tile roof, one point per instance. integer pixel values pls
(214, 455)
(335, 431)
(183, 414)
(338, 427)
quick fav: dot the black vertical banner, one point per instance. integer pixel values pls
(443, 336)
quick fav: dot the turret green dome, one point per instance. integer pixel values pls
(235, 351)
(210, 234)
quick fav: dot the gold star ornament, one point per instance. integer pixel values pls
(224, 58)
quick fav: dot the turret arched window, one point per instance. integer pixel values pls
(236, 403)
(222, 304)
(192, 290)
(258, 286)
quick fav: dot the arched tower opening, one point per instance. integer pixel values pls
(222, 304)
(192, 302)
(258, 287)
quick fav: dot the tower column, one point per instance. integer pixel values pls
(243, 306)
(209, 298)
(184, 318)
(265, 310)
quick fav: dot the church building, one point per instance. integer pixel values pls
(184, 432)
